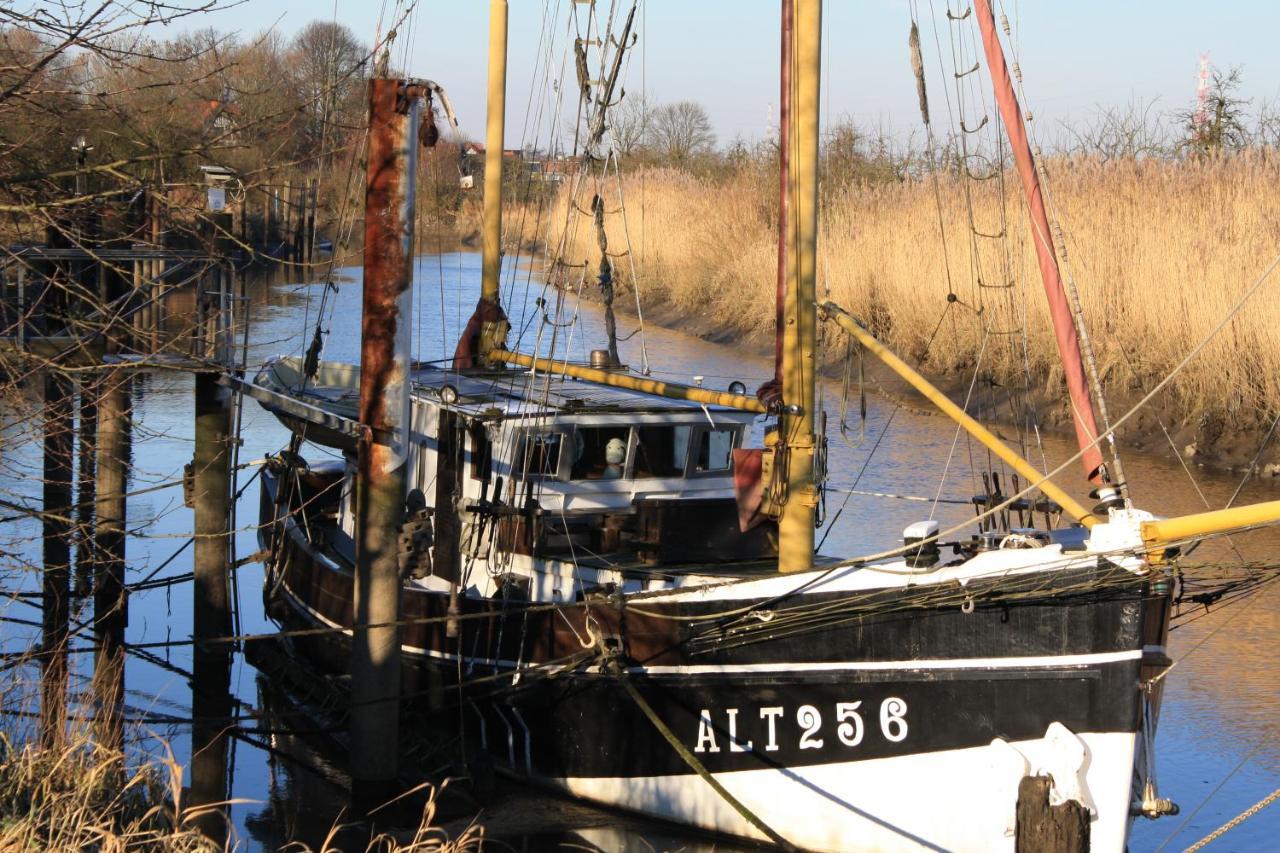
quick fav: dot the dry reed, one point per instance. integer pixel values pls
(79, 796)
(1160, 251)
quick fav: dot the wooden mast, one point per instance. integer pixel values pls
(493, 334)
(798, 441)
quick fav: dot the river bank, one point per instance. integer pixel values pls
(1160, 251)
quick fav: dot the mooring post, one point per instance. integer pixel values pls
(110, 605)
(1044, 828)
(211, 620)
(58, 430)
(85, 481)
(312, 185)
(138, 301)
(384, 416)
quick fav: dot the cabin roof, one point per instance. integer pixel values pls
(512, 391)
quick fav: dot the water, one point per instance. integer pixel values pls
(1216, 750)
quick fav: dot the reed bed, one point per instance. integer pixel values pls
(1160, 250)
(78, 796)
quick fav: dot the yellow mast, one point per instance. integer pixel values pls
(799, 365)
(1170, 530)
(671, 390)
(494, 140)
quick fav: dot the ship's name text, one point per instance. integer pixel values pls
(845, 723)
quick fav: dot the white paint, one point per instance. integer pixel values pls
(734, 744)
(771, 715)
(851, 729)
(706, 734)
(962, 800)
(893, 723)
(1027, 662)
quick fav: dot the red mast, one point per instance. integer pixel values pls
(1063, 325)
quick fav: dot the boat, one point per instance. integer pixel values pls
(602, 587)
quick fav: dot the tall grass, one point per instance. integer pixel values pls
(77, 795)
(1160, 251)
(70, 798)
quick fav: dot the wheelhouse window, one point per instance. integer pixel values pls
(540, 454)
(599, 453)
(713, 450)
(661, 450)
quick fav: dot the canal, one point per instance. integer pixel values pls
(1217, 751)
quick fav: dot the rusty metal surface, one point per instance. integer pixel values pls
(388, 255)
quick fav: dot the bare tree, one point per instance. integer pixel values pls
(1134, 130)
(1266, 125)
(681, 131)
(630, 123)
(326, 60)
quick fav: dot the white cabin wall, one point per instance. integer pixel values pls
(424, 421)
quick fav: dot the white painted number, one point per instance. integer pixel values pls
(893, 724)
(810, 720)
(850, 734)
(851, 728)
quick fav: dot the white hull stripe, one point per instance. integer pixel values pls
(944, 663)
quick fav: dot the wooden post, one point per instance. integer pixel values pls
(266, 219)
(89, 385)
(211, 620)
(1042, 828)
(289, 218)
(58, 430)
(312, 192)
(139, 321)
(384, 412)
(156, 287)
(110, 605)
(299, 221)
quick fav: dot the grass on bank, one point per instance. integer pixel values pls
(69, 799)
(1160, 250)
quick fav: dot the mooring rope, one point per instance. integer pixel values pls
(698, 767)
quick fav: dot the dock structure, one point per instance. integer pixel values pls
(88, 319)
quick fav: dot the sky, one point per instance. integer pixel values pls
(1076, 55)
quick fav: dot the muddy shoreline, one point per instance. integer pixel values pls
(1162, 427)
(1158, 428)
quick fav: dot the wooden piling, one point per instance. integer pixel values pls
(384, 409)
(58, 432)
(211, 620)
(110, 604)
(138, 300)
(155, 316)
(88, 442)
(1044, 828)
(299, 221)
(266, 220)
(312, 187)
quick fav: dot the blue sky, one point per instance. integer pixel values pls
(1074, 55)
